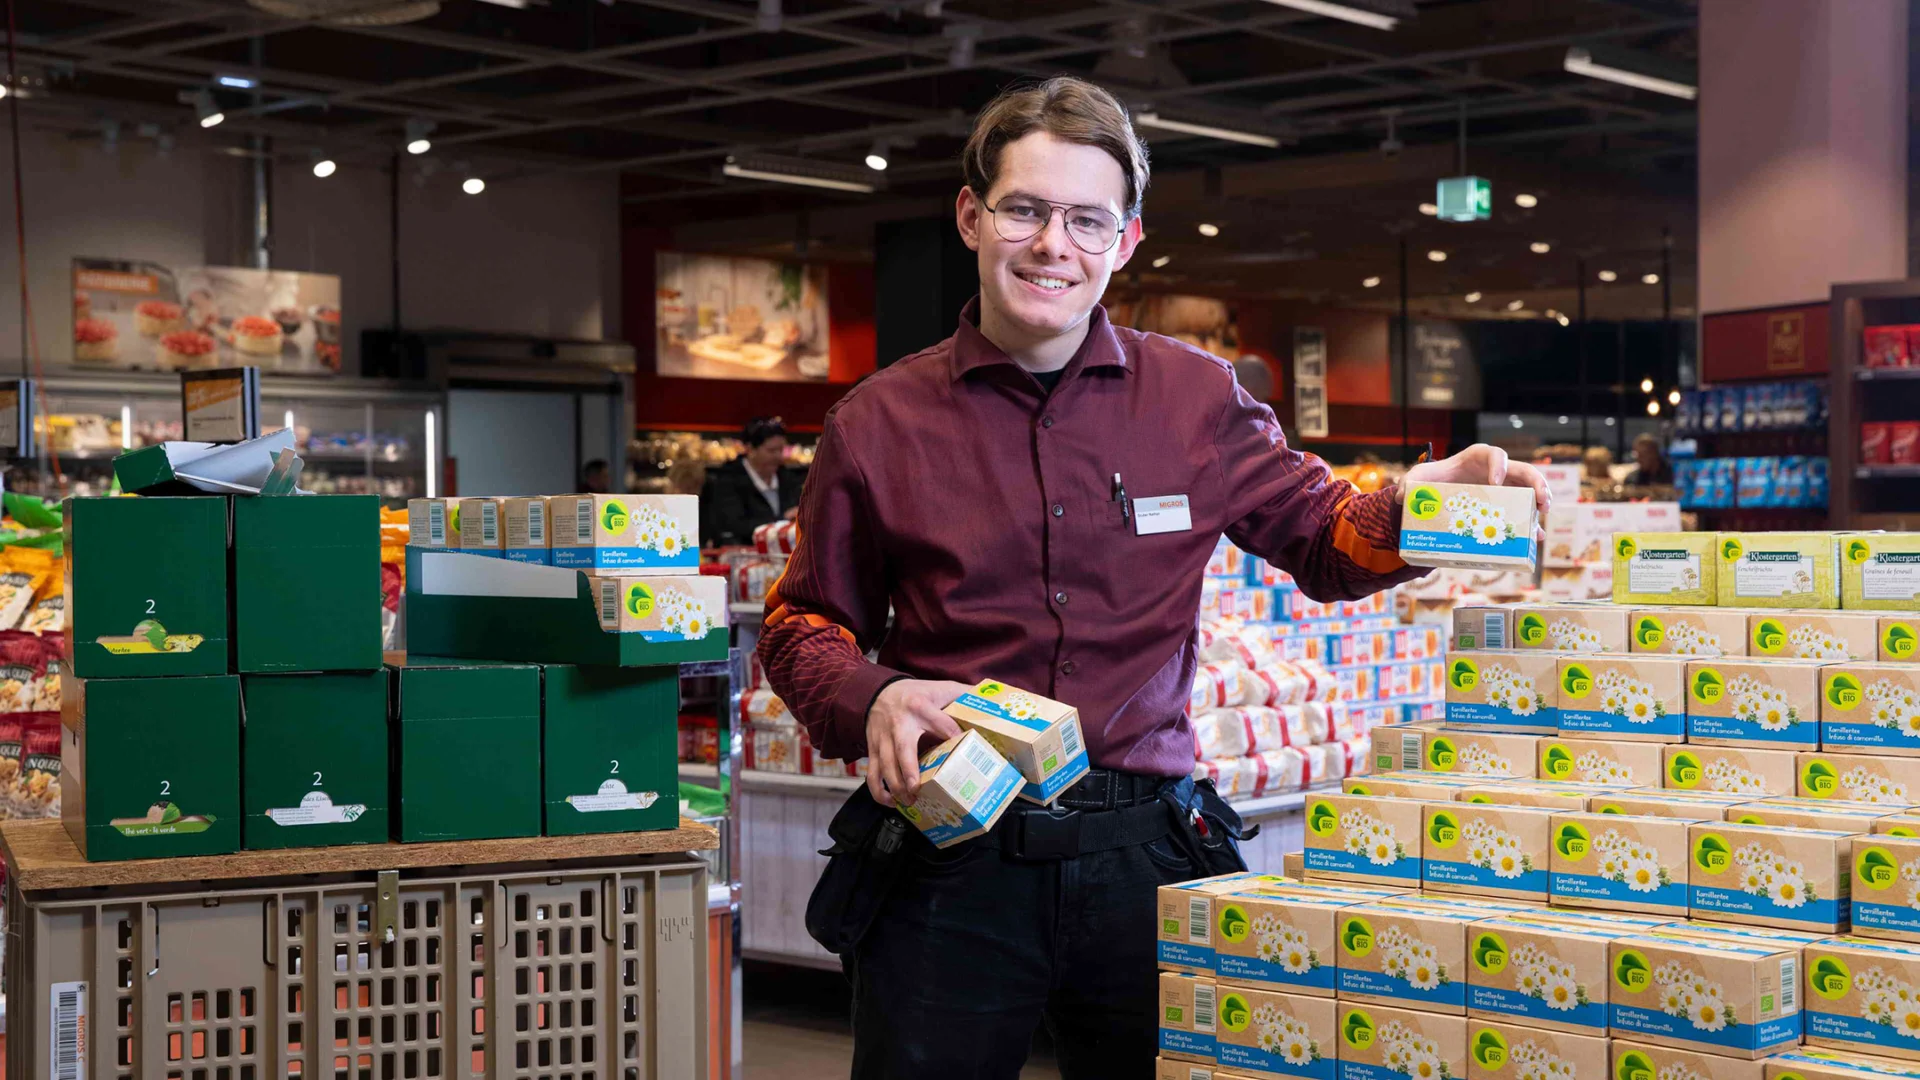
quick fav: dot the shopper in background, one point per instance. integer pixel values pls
(595, 476)
(687, 476)
(1599, 461)
(753, 489)
(1035, 499)
(1651, 465)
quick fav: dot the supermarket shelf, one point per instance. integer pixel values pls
(1867, 374)
(747, 608)
(1269, 805)
(761, 780)
(1885, 472)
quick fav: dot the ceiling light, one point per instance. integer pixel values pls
(1514, 419)
(1370, 283)
(1539, 247)
(1608, 275)
(1653, 408)
(802, 172)
(877, 157)
(1649, 279)
(473, 185)
(4, 91)
(1155, 120)
(1526, 201)
(1473, 298)
(1162, 261)
(1609, 421)
(236, 82)
(1550, 314)
(206, 109)
(1209, 229)
(1628, 67)
(1563, 419)
(1646, 386)
(1344, 12)
(1563, 320)
(1429, 209)
(1673, 396)
(324, 167)
(1516, 305)
(1436, 255)
(417, 132)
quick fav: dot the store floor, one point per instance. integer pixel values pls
(796, 1027)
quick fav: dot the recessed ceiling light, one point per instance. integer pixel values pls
(1673, 397)
(1162, 261)
(877, 157)
(1429, 209)
(1516, 305)
(1563, 419)
(1369, 283)
(1609, 421)
(1539, 247)
(1563, 320)
(1436, 255)
(206, 109)
(1473, 298)
(473, 185)
(1649, 279)
(324, 168)
(1208, 228)
(416, 135)
(1526, 201)
(1608, 275)
(1646, 386)
(1653, 408)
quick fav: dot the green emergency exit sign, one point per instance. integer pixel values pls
(1465, 198)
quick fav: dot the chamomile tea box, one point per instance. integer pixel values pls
(1186, 925)
(1770, 704)
(1733, 996)
(1826, 636)
(1486, 850)
(1904, 824)
(1040, 736)
(1364, 839)
(1778, 569)
(1700, 631)
(1410, 953)
(1542, 794)
(1812, 1063)
(1880, 571)
(1410, 785)
(1890, 782)
(1668, 802)
(477, 524)
(1769, 875)
(1504, 691)
(964, 788)
(1663, 568)
(1497, 1050)
(1609, 763)
(1732, 770)
(1569, 628)
(1380, 1043)
(657, 534)
(1797, 813)
(433, 523)
(1619, 863)
(1618, 697)
(1864, 994)
(1469, 526)
(1899, 638)
(1282, 938)
(662, 607)
(1189, 1018)
(1886, 887)
(1547, 972)
(1871, 708)
(525, 525)
(1644, 1061)
(1482, 627)
(1455, 753)
(1265, 1033)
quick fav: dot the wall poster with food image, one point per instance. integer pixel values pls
(145, 315)
(719, 317)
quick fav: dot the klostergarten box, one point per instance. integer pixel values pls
(1871, 708)
(1864, 995)
(1469, 526)
(1769, 875)
(636, 533)
(1265, 1033)
(1619, 863)
(1730, 769)
(1503, 1051)
(1379, 1043)
(1486, 850)
(1734, 996)
(1772, 704)
(1880, 571)
(1508, 691)
(1040, 736)
(1663, 568)
(1886, 887)
(1623, 697)
(1600, 761)
(1367, 839)
(1861, 777)
(1778, 570)
(1700, 631)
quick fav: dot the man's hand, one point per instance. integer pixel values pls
(1483, 464)
(905, 714)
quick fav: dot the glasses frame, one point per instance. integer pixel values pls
(1063, 209)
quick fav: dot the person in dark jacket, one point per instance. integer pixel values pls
(751, 490)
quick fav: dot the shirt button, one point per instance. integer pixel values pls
(1069, 668)
(1046, 421)
(1058, 510)
(1060, 597)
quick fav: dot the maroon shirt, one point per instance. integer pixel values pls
(953, 488)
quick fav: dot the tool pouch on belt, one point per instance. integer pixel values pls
(1208, 829)
(863, 865)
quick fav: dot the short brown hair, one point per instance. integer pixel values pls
(1067, 108)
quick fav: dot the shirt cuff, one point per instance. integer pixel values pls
(1371, 537)
(855, 699)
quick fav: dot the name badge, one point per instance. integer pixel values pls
(1161, 514)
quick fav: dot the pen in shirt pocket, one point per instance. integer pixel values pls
(1120, 496)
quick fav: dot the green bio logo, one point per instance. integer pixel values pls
(1443, 830)
(1830, 978)
(1648, 632)
(1572, 841)
(1558, 762)
(1902, 831)
(613, 516)
(1630, 971)
(1489, 1049)
(1610, 808)
(1357, 1030)
(1490, 954)
(1843, 691)
(1633, 1065)
(1479, 799)
(1730, 550)
(1749, 819)
(1858, 551)
(1624, 547)
(1710, 853)
(639, 600)
(1170, 927)
(1899, 641)
(1322, 818)
(1356, 937)
(1234, 924)
(1683, 771)
(1769, 636)
(1174, 1013)
(1440, 755)
(1577, 680)
(455, 517)
(1819, 779)
(1463, 674)
(1532, 630)
(1424, 503)
(1358, 789)
(1876, 869)
(1708, 687)
(1235, 1013)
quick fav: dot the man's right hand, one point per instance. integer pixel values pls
(902, 717)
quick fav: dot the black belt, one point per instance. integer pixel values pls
(1103, 811)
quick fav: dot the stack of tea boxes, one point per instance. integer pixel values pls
(1660, 839)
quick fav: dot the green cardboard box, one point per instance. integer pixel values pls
(147, 586)
(315, 748)
(611, 749)
(306, 583)
(151, 767)
(466, 753)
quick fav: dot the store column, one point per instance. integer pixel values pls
(1803, 149)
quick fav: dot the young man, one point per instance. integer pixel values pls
(993, 492)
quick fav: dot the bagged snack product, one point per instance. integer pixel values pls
(1664, 568)
(1611, 763)
(1619, 863)
(12, 744)
(1769, 704)
(1778, 570)
(35, 792)
(1508, 691)
(23, 671)
(1871, 708)
(23, 573)
(1858, 777)
(1880, 571)
(1769, 875)
(1470, 526)
(1623, 697)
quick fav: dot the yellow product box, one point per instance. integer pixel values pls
(1548, 794)
(1469, 526)
(1860, 777)
(1886, 887)
(1547, 969)
(1778, 569)
(1899, 638)
(1663, 568)
(1409, 785)
(1701, 631)
(525, 526)
(1632, 697)
(1771, 704)
(1281, 938)
(1644, 1061)
(1863, 994)
(1732, 770)
(1481, 627)
(1608, 763)
(1040, 736)
(1365, 839)
(661, 607)
(1727, 994)
(1827, 636)
(964, 788)
(1614, 862)
(1668, 802)
(1769, 875)
(1186, 924)
(1486, 850)
(1189, 1018)
(1568, 628)
(1408, 952)
(634, 533)
(1377, 1042)
(1813, 1063)
(1498, 1050)
(1460, 753)
(1504, 691)
(1798, 813)
(1871, 708)
(1880, 571)
(433, 523)
(1265, 1033)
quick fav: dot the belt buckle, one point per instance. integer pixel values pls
(1052, 834)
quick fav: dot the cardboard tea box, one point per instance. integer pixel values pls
(1410, 785)
(150, 768)
(1186, 924)
(1871, 708)
(1814, 1063)
(1728, 769)
(1864, 995)
(1293, 865)
(1613, 763)
(1282, 937)
(640, 534)
(1373, 1038)
(1568, 628)
(1702, 631)
(1645, 1061)
(1902, 824)
(1880, 571)
(1771, 704)
(1486, 850)
(1189, 1018)
(1769, 875)
(1826, 636)
(306, 583)
(1482, 627)
(528, 539)
(146, 584)
(1664, 568)
(466, 750)
(1797, 813)
(1499, 1050)
(1544, 794)
(1364, 839)
(1734, 996)
(1863, 777)
(1778, 570)
(1616, 862)
(965, 786)
(1899, 637)
(314, 753)
(1668, 802)
(1458, 753)
(1504, 691)
(661, 608)
(1547, 972)
(610, 749)
(1633, 697)
(1407, 953)
(1040, 736)
(478, 524)
(1469, 526)
(433, 523)
(1264, 1033)
(1886, 887)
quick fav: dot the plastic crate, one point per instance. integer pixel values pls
(595, 973)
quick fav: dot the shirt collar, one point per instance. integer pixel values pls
(971, 349)
(765, 486)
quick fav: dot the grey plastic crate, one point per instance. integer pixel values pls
(546, 974)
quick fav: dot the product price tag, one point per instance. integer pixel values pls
(220, 406)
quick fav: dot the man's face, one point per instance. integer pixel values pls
(1045, 286)
(768, 455)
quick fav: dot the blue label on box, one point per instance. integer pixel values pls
(1266, 1063)
(625, 558)
(1357, 1070)
(1044, 792)
(1382, 985)
(1447, 543)
(1834, 734)
(1801, 734)
(1853, 1029)
(1597, 722)
(1885, 916)
(1181, 954)
(540, 556)
(1494, 999)
(1527, 884)
(1822, 914)
(1187, 1042)
(1252, 969)
(1672, 895)
(1545, 720)
(998, 794)
(1346, 862)
(1771, 1033)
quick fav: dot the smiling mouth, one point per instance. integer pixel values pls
(1044, 281)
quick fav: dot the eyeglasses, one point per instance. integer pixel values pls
(1019, 218)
